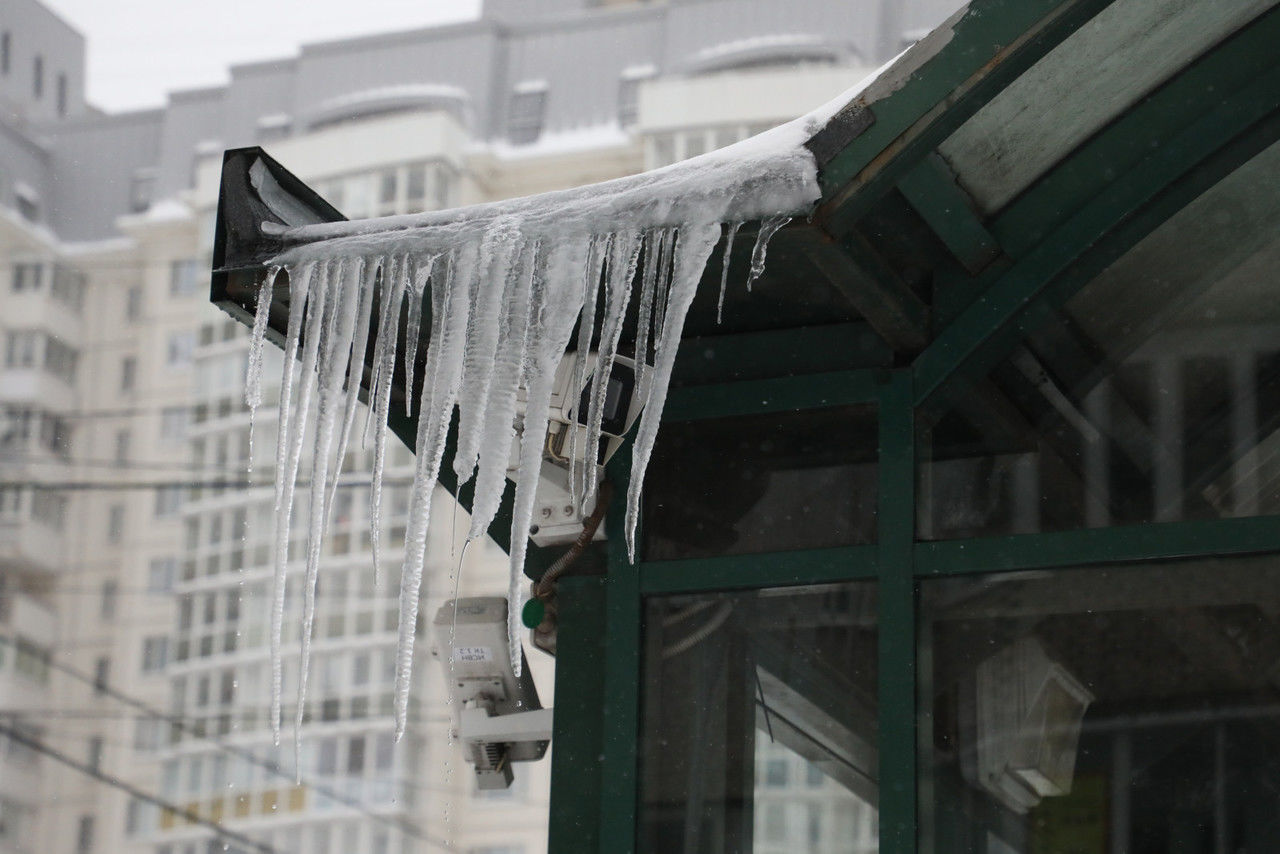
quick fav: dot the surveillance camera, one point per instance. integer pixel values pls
(558, 517)
(500, 719)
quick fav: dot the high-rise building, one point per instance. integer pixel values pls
(135, 545)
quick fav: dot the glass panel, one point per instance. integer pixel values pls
(759, 721)
(763, 483)
(1102, 710)
(1152, 395)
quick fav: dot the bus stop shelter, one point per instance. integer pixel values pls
(969, 508)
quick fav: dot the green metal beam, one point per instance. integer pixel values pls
(985, 50)
(896, 313)
(932, 190)
(619, 753)
(775, 353)
(1220, 139)
(771, 569)
(897, 606)
(574, 816)
(753, 397)
(1093, 546)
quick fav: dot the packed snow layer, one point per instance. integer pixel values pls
(507, 282)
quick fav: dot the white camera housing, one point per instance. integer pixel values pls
(499, 716)
(557, 518)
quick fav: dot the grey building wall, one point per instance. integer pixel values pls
(579, 48)
(461, 56)
(34, 32)
(92, 164)
(21, 159)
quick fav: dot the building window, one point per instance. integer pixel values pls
(184, 277)
(629, 99)
(84, 835)
(181, 345)
(128, 373)
(155, 653)
(122, 447)
(60, 360)
(49, 507)
(23, 347)
(141, 188)
(133, 304)
(115, 523)
(527, 113)
(68, 286)
(27, 276)
(37, 77)
(101, 673)
(168, 501)
(62, 94)
(173, 424)
(4, 52)
(110, 593)
(160, 574)
(95, 752)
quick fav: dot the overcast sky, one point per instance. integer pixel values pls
(141, 49)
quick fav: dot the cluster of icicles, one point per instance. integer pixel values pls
(506, 286)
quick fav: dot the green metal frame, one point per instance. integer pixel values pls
(1021, 265)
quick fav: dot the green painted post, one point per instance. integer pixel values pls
(579, 697)
(621, 701)
(897, 654)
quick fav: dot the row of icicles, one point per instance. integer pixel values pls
(502, 313)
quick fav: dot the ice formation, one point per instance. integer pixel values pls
(507, 282)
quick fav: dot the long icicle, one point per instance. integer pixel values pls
(367, 274)
(253, 370)
(724, 268)
(301, 297)
(623, 255)
(695, 245)
(451, 303)
(418, 286)
(596, 253)
(393, 289)
(552, 319)
(768, 229)
(333, 366)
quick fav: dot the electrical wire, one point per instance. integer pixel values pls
(39, 746)
(402, 824)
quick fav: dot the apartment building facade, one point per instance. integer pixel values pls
(135, 535)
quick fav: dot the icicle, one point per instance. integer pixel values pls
(644, 320)
(500, 403)
(768, 229)
(253, 369)
(451, 306)
(695, 244)
(333, 364)
(286, 466)
(556, 307)
(624, 252)
(393, 295)
(586, 332)
(414, 325)
(367, 272)
(381, 276)
(500, 248)
(724, 268)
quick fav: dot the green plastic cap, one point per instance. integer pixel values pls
(533, 613)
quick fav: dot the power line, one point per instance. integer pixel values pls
(35, 744)
(142, 485)
(402, 824)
